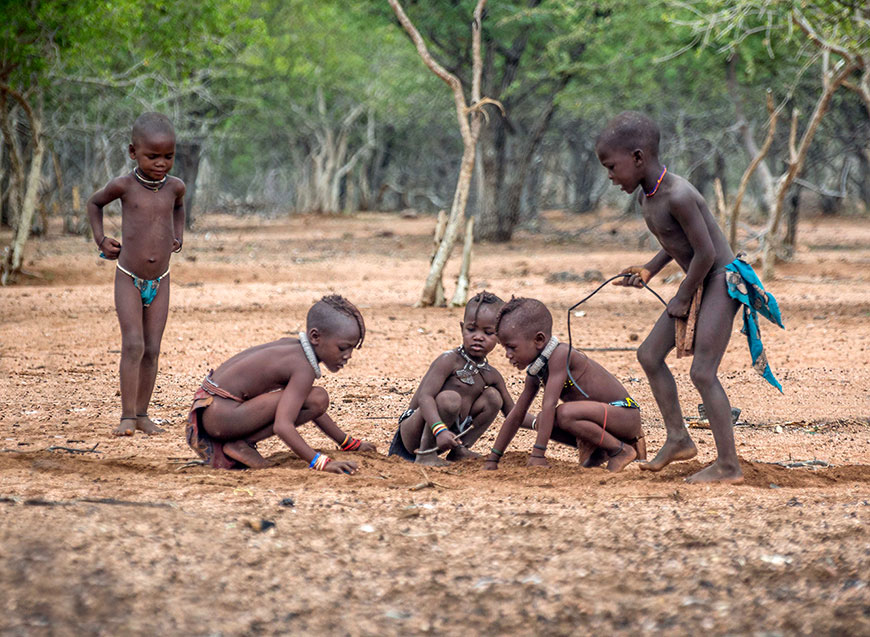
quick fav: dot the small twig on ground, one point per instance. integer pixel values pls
(74, 450)
(113, 501)
(188, 464)
(608, 349)
(794, 464)
(14, 450)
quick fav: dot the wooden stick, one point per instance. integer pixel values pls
(423, 452)
(685, 327)
(74, 450)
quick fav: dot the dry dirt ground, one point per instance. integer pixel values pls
(127, 541)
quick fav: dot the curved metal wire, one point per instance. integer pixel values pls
(580, 302)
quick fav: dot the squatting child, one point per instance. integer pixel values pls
(268, 390)
(461, 392)
(714, 287)
(596, 411)
(152, 227)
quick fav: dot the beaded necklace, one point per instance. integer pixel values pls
(471, 369)
(309, 353)
(538, 364)
(150, 184)
(658, 183)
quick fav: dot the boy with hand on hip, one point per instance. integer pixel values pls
(461, 393)
(596, 412)
(152, 227)
(269, 390)
(714, 287)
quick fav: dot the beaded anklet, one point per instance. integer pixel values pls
(498, 453)
(319, 462)
(439, 427)
(350, 444)
(541, 447)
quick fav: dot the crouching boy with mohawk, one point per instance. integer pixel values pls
(460, 394)
(596, 411)
(268, 390)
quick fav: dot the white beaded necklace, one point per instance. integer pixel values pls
(538, 364)
(150, 184)
(309, 353)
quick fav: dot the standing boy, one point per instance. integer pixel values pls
(152, 226)
(677, 215)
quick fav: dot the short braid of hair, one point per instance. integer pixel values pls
(514, 304)
(341, 304)
(483, 298)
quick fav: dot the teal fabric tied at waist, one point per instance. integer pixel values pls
(147, 287)
(745, 286)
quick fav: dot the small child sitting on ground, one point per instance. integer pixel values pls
(596, 410)
(460, 394)
(268, 390)
(152, 227)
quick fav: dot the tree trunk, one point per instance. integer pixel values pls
(28, 208)
(188, 154)
(460, 295)
(832, 80)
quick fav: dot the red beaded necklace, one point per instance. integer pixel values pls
(658, 183)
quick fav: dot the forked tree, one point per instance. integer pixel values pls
(470, 118)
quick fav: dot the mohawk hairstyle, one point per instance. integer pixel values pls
(529, 314)
(481, 298)
(630, 130)
(322, 314)
(150, 124)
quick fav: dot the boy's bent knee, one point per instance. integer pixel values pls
(491, 398)
(318, 400)
(449, 401)
(703, 376)
(648, 358)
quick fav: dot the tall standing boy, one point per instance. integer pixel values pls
(677, 215)
(152, 227)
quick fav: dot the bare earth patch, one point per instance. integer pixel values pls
(127, 540)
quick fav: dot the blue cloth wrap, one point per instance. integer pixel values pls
(745, 286)
(147, 289)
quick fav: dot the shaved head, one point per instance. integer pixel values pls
(530, 316)
(332, 313)
(151, 125)
(629, 131)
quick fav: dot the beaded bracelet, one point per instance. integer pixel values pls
(319, 462)
(438, 428)
(350, 444)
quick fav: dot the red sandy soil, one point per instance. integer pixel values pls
(128, 541)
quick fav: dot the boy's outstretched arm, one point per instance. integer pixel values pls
(641, 274)
(289, 406)
(512, 422)
(552, 391)
(178, 219)
(109, 246)
(327, 425)
(684, 208)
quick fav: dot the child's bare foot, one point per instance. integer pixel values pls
(246, 453)
(125, 430)
(640, 447)
(670, 452)
(148, 426)
(718, 472)
(461, 453)
(622, 458)
(431, 460)
(596, 458)
(584, 451)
